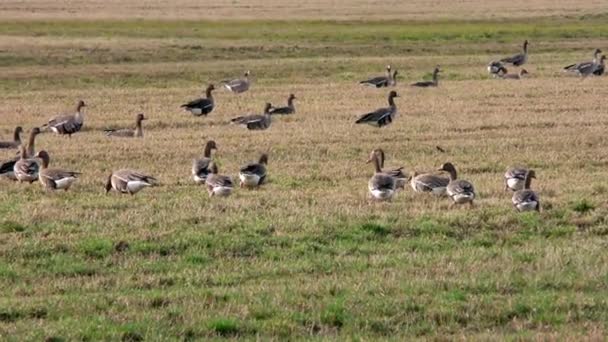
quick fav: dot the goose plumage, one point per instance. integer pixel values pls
(203, 105)
(430, 183)
(383, 116)
(514, 178)
(16, 139)
(577, 66)
(200, 167)
(601, 67)
(256, 121)
(7, 167)
(381, 186)
(289, 109)
(397, 173)
(68, 124)
(389, 80)
(239, 85)
(526, 199)
(433, 83)
(26, 168)
(138, 132)
(496, 68)
(53, 178)
(218, 185)
(518, 76)
(520, 58)
(130, 182)
(253, 175)
(459, 190)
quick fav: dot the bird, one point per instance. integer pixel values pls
(26, 168)
(526, 199)
(586, 69)
(382, 81)
(601, 67)
(16, 139)
(381, 186)
(256, 121)
(7, 166)
(496, 68)
(397, 173)
(138, 132)
(440, 149)
(253, 175)
(383, 116)
(54, 179)
(514, 178)
(518, 76)
(460, 191)
(239, 85)
(200, 167)
(218, 185)
(127, 181)
(428, 182)
(68, 124)
(577, 66)
(201, 106)
(433, 83)
(290, 109)
(518, 59)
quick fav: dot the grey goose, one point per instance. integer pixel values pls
(289, 109)
(577, 66)
(459, 190)
(7, 166)
(16, 139)
(256, 121)
(53, 178)
(200, 167)
(397, 173)
(430, 183)
(239, 85)
(138, 132)
(68, 124)
(433, 83)
(382, 81)
(518, 59)
(526, 199)
(253, 175)
(599, 69)
(26, 168)
(518, 76)
(127, 181)
(590, 69)
(218, 185)
(383, 116)
(496, 68)
(514, 178)
(381, 186)
(201, 106)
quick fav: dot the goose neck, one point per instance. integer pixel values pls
(17, 135)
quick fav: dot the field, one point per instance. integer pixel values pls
(307, 256)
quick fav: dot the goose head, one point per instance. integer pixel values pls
(44, 156)
(18, 130)
(80, 105)
(267, 107)
(263, 159)
(140, 117)
(210, 88)
(523, 72)
(526, 45)
(247, 73)
(108, 185)
(291, 97)
(210, 145)
(377, 153)
(392, 94)
(449, 167)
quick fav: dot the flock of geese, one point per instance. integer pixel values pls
(30, 166)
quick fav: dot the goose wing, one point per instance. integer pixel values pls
(460, 186)
(27, 166)
(215, 180)
(423, 84)
(254, 169)
(280, 110)
(198, 103)
(517, 173)
(134, 176)
(382, 181)
(8, 166)
(428, 182)
(380, 117)
(58, 174)
(378, 82)
(200, 167)
(518, 59)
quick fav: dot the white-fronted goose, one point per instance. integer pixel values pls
(128, 181)
(290, 109)
(54, 179)
(576, 66)
(68, 124)
(381, 186)
(433, 83)
(515, 178)
(26, 169)
(239, 85)
(255, 122)
(218, 185)
(202, 106)
(496, 68)
(383, 116)
(382, 81)
(526, 199)
(430, 183)
(200, 167)
(138, 132)
(253, 175)
(599, 69)
(519, 59)
(460, 191)
(397, 173)
(16, 139)
(518, 76)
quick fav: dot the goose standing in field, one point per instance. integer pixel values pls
(430, 183)
(201, 106)
(526, 199)
(397, 173)
(599, 69)
(256, 121)
(26, 169)
(138, 132)
(128, 181)
(515, 178)
(16, 139)
(382, 81)
(200, 167)
(518, 76)
(590, 69)
(7, 166)
(253, 175)
(519, 59)
(460, 191)
(239, 85)
(383, 116)
(433, 83)
(290, 109)
(54, 179)
(382, 186)
(68, 124)
(577, 66)
(496, 68)
(218, 185)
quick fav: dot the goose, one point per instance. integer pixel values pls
(515, 178)
(460, 191)
(127, 181)
(383, 116)
(7, 166)
(397, 173)
(590, 69)
(290, 109)
(239, 85)
(526, 199)
(518, 76)
(200, 167)
(382, 81)
(218, 185)
(254, 174)
(382, 186)
(496, 68)
(576, 66)
(599, 69)
(433, 83)
(428, 182)
(201, 106)
(138, 132)
(54, 179)
(26, 169)
(68, 124)
(16, 139)
(519, 59)
(256, 121)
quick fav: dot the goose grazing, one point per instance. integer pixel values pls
(290, 109)
(202, 106)
(239, 85)
(577, 66)
(68, 124)
(253, 175)
(518, 76)
(519, 59)
(138, 132)
(200, 167)
(16, 139)
(526, 199)
(7, 167)
(54, 179)
(218, 185)
(397, 173)
(496, 68)
(382, 81)
(382, 186)
(26, 169)
(599, 69)
(460, 191)
(255, 122)
(128, 181)
(433, 83)
(430, 183)
(515, 178)
(383, 116)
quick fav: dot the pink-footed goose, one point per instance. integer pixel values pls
(518, 59)
(201, 167)
(289, 109)
(433, 83)
(53, 178)
(526, 199)
(256, 121)
(397, 173)
(68, 124)
(252, 175)
(26, 169)
(7, 166)
(138, 132)
(383, 116)
(130, 182)
(381, 186)
(460, 191)
(16, 139)
(218, 185)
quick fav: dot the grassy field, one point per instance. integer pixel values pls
(307, 256)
